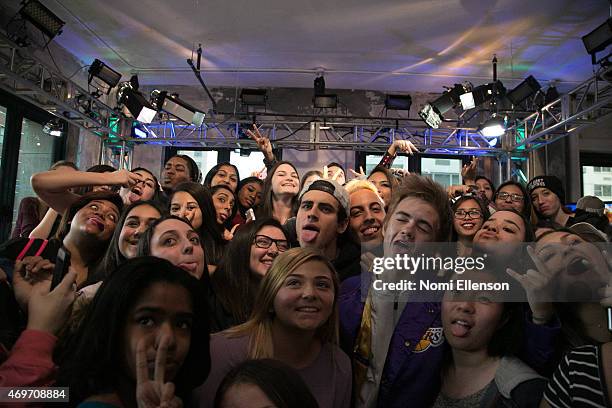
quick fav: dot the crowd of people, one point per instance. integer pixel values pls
(220, 291)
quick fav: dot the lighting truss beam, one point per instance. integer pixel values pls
(582, 106)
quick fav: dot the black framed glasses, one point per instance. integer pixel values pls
(461, 214)
(515, 197)
(265, 242)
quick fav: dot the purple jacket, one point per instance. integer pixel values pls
(411, 376)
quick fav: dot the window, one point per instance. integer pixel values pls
(372, 160)
(35, 155)
(204, 159)
(247, 163)
(598, 182)
(444, 171)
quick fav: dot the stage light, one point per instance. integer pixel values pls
(598, 39)
(134, 102)
(432, 112)
(325, 101)
(398, 102)
(42, 18)
(178, 108)
(493, 127)
(106, 77)
(54, 127)
(319, 85)
(524, 90)
(254, 97)
(481, 94)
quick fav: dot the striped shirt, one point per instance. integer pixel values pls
(578, 381)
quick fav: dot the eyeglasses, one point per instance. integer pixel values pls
(515, 197)
(461, 214)
(265, 242)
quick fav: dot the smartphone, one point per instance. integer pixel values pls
(250, 215)
(62, 263)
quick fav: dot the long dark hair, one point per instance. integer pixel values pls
(211, 173)
(481, 205)
(234, 278)
(228, 223)
(280, 383)
(266, 208)
(91, 361)
(113, 256)
(210, 232)
(158, 195)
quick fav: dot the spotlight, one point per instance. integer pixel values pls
(319, 85)
(325, 101)
(253, 97)
(524, 90)
(481, 94)
(598, 39)
(398, 102)
(134, 102)
(54, 127)
(551, 95)
(139, 132)
(106, 77)
(178, 108)
(432, 112)
(42, 18)
(493, 127)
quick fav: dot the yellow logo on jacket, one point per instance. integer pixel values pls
(433, 337)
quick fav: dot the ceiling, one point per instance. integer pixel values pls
(385, 45)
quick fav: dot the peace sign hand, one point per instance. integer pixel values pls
(154, 393)
(359, 175)
(262, 141)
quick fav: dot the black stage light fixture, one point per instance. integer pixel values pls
(319, 85)
(254, 97)
(598, 39)
(104, 78)
(134, 102)
(529, 87)
(432, 112)
(481, 94)
(178, 108)
(54, 127)
(42, 18)
(325, 101)
(398, 102)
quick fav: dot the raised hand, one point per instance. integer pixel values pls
(154, 393)
(24, 279)
(48, 311)
(456, 191)
(403, 146)
(360, 176)
(468, 172)
(262, 141)
(125, 178)
(536, 284)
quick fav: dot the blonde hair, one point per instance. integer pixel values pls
(259, 325)
(356, 185)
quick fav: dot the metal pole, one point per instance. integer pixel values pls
(121, 154)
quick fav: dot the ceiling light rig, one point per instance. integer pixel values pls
(432, 112)
(322, 100)
(34, 12)
(134, 103)
(102, 77)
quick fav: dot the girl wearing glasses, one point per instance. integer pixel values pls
(294, 320)
(239, 277)
(513, 196)
(469, 213)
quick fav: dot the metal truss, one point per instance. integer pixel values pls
(28, 78)
(320, 132)
(582, 106)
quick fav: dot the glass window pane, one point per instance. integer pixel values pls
(247, 164)
(372, 160)
(597, 181)
(35, 155)
(204, 159)
(443, 171)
